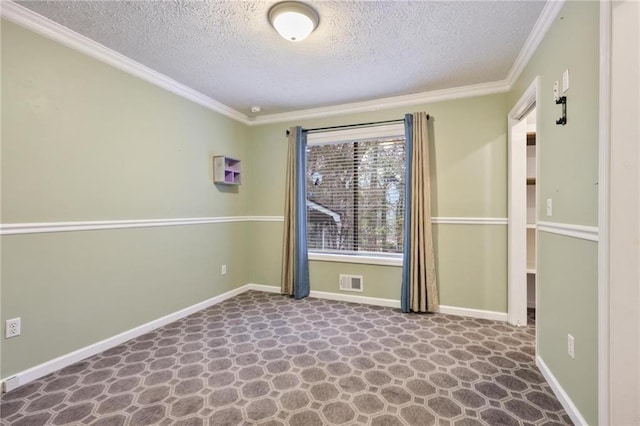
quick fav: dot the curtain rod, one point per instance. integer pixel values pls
(346, 126)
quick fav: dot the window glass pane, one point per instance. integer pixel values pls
(355, 196)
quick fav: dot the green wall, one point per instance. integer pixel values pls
(83, 141)
(471, 266)
(468, 167)
(72, 289)
(568, 173)
(567, 304)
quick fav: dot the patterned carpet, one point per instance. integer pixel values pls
(266, 359)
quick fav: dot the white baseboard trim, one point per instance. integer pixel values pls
(55, 364)
(474, 313)
(262, 287)
(560, 393)
(364, 300)
(389, 303)
(34, 373)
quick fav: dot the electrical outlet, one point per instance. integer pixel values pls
(556, 91)
(12, 328)
(571, 346)
(223, 270)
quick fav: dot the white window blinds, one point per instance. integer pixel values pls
(355, 191)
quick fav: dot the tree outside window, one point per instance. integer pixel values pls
(355, 196)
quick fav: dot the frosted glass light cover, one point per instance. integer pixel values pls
(293, 20)
(293, 26)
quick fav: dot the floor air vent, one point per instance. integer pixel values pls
(351, 282)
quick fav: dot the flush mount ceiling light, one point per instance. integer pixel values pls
(293, 20)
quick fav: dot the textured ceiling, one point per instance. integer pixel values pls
(361, 50)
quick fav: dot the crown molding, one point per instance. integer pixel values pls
(385, 103)
(545, 20)
(26, 18)
(542, 25)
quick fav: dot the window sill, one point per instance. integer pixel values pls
(350, 258)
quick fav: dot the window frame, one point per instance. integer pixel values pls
(349, 136)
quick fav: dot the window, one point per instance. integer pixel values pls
(355, 191)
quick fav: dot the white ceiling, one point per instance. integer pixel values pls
(361, 50)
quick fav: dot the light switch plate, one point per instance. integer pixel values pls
(565, 81)
(571, 346)
(556, 93)
(549, 207)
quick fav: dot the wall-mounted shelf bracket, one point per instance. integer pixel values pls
(562, 101)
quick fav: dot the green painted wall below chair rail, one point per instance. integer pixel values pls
(73, 289)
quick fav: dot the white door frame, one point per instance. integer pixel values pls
(604, 118)
(619, 203)
(517, 206)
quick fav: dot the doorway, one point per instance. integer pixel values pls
(522, 208)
